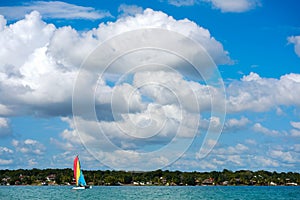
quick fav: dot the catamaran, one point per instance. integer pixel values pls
(78, 176)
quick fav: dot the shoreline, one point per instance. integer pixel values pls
(40, 177)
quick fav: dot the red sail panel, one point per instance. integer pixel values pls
(75, 167)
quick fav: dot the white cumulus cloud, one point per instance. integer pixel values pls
(255, 93)
(39, 62)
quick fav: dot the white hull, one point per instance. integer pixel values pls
(81, 187)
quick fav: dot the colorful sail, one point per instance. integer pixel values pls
(78, 175)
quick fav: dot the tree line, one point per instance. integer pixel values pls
(158, 177)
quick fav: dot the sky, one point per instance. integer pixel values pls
(191, 85)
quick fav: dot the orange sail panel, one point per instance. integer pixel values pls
(76, 169)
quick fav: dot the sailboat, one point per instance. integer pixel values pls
(78, 176)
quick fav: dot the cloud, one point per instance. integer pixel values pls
(283, 156)
(252, 93)
(296, 41)
(104, 153)
(157, 19)
(66, 146)
(233, 156)
(30, 142)
(28, 75)
(295, 132)
(6, 155)
(2, 22)
(129, 10)
(233, 125)
(188, 164)
(140, 135)
(157, 124)
(250, 142)
(231, 150)
(296, 148)
(29, 147)
(234, 5)
(32, 162)
(295, 125)
(21, 39)
(257, 155)
(39, 62)
(5, 129)
(4, 110)
(63, 159)
(5, 150)
(180, 3)
(235, 159)
(5, 162)
(54, 10)
(257, 127)
(258, 94)
(265, 162)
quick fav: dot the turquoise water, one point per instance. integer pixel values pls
(151, 192)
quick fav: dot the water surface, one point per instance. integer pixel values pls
(151, 192)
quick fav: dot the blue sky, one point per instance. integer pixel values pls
(255, 45)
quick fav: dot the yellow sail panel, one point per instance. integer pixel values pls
(77, 172)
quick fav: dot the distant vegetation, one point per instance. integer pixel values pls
(158, 177)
